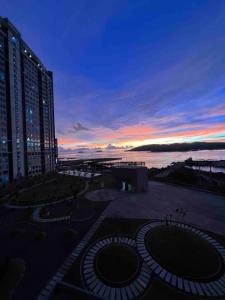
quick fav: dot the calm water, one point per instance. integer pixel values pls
(156, 160)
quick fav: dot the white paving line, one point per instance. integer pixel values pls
(48, 290)
(8, 205)
(36, 217)
(211, 289)
(97, 286)
(36, 214)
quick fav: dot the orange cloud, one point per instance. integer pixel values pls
(143, 134)
(136, 130)
(67, 141)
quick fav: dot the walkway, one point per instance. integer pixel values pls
(36, 217)
(205, 210)
(60, 273)
(8, 205)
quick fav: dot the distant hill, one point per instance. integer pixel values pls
(180, 147)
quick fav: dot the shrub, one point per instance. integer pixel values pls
(17, 231)
(40, 235)
(13, 274)
(70, 233)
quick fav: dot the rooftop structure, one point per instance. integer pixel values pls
(131, 178)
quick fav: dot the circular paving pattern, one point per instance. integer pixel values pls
(213, 288)
(184, 253)
(105, 283)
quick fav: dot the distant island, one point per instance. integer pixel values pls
(180, 147)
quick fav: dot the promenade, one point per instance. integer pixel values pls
(203, 209)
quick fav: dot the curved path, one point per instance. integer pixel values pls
(36, 217)
(103, 291)
(36, 214)
(8, 205)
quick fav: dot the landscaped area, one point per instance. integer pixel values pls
(116, 264)
(12, 272)
(55, 188)
(119, 252)
(79, 209)
(214, 182)
(178, 250)
(35, 243)
(109, 227)
(184, 253)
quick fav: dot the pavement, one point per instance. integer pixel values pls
(203, 209)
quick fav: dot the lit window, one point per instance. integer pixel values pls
(13, 40)
(2, 76)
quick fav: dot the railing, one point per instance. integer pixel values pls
(126, 163)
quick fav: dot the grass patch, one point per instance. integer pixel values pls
(109, 227)
(17, 231)
(183, 252)
(117, 264)
(59, 187)
(158, 289)
(10, 279)
(214, 182)
(40, 235)
(70, 233)
(26, 215)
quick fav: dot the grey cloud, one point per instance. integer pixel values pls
(78, 127)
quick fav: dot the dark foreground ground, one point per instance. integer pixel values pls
(157, 288)
(42, 257)
(44, 246)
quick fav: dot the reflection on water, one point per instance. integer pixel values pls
(156, 160)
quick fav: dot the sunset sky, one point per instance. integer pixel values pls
(129, 73)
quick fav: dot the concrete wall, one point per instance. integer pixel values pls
(136, 176)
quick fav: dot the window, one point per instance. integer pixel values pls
(2, 76)
(13, 39)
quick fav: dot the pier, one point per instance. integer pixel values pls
(206, 163)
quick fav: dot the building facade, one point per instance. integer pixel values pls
(27, 128)
(131, 178)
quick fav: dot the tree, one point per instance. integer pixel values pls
(181, 213)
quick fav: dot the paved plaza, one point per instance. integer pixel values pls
(203, 209)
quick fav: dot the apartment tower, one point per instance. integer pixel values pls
(27, 127)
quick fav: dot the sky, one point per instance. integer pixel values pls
(128, 73)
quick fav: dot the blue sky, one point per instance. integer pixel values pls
(130, 72)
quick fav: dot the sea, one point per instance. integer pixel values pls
(151, 159)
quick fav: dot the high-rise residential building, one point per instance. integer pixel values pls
(27, 128)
